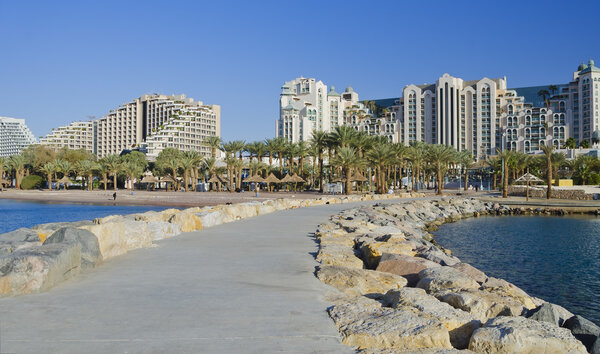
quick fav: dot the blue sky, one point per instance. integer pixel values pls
(62, 61)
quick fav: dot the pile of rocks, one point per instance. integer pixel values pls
(36, 259)
(395, 289)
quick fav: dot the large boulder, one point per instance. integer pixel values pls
(503, 288)
(38, 268)
(20, 235)
(440, 278)
(471, 271)
(436, 255)
(332, 254)
(365, 324)
(359, 281)
(372, 250)
(550, 313)
(522, 335)
(481, 304)
(119, 237)
(596, 346)
(45, 230)
(460, 324)
(87, 241)
(584, 330)
(406, 266)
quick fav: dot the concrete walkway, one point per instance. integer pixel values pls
(242, 287)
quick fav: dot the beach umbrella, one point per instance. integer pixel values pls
(286, 179)
(298, 179)
(219, 180)
(65, 181)
(528, 178)
(149, 179)
(358, 177)
(254, 179)
(271, 179)
(168, 179)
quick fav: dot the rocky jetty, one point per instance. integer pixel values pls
(36, 259)
(395, 289)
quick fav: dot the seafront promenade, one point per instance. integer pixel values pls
(246, 286)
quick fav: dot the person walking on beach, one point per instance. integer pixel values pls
(115, 196)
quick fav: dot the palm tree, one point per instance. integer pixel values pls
(552, 89)
(114, 165)
(170, 159)
(214, 143)
(17, 164)
(3, 166)
(104, 171)
(48, 169)
(379, 156)
(507, 156)
(187, 163)
(86, 169)
(544, 94)
(548, 150)
(319, 141)
(465, 158)
(343, 135)
(416, 155)
(301, 151)
(271, 148)
(347, 158)
(440, 156)
(133, 171)
(584, 166)
(279, 145)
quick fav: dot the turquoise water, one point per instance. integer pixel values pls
(550, 257)
(16, 214)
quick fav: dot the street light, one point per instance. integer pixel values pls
(503, 132)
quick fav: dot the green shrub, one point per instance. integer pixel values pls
(593, 179)
(31, 182)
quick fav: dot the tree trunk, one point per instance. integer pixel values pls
(115, 180)
(49, 176)
(105, 181)
(549, 167)
(505, 182)
(440, 179)
(348, 181)
(321, 171)
(466, 178)
(90, 182)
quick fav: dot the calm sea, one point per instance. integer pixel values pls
(553, 258)
(16, 214)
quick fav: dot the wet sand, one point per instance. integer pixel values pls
(158, 198)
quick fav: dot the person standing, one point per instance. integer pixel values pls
(115, 196)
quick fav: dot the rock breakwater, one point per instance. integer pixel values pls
(36, 259)
(395, 289)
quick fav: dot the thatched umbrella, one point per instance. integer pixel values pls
(219, 180)
(149, 179)
(254, 179)
(528, 178)
(64, 181)
(271, 179)
(168, 179)
(296, 179)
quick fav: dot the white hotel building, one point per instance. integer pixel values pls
(77, 135)
(305, 104)
(15, 136)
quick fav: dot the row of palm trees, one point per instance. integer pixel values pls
(342, 155)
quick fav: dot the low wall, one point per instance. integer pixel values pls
(540, 192)
(36, 259)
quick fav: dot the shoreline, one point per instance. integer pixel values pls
(397, 289)
(153, 198)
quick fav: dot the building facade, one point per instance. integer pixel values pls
(15, 136)
(306, 104)
(77, 135)
(483, 115)
(156, 121)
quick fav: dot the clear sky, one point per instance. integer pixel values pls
(62, 61)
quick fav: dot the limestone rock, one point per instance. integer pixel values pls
(438, 256)
(584, 330)
(45, 230)
(117, 238)
(38, 268)
(339, 255)
(439, 278)
(87, 241)
(504, 288)
(359, 281)
(20, 235)
(481, 304)
(365, 325)
(550, 313)
(471, 271)
(522, 335)
(460, 324)
(596, 347)
(406, 266)
(373, 250)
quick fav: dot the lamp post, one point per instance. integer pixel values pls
(502, 149)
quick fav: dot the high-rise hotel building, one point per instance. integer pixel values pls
(481, 115)
(306, 105)
(15, 136)
(77, 135)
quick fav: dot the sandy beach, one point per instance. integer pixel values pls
(158, 198)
